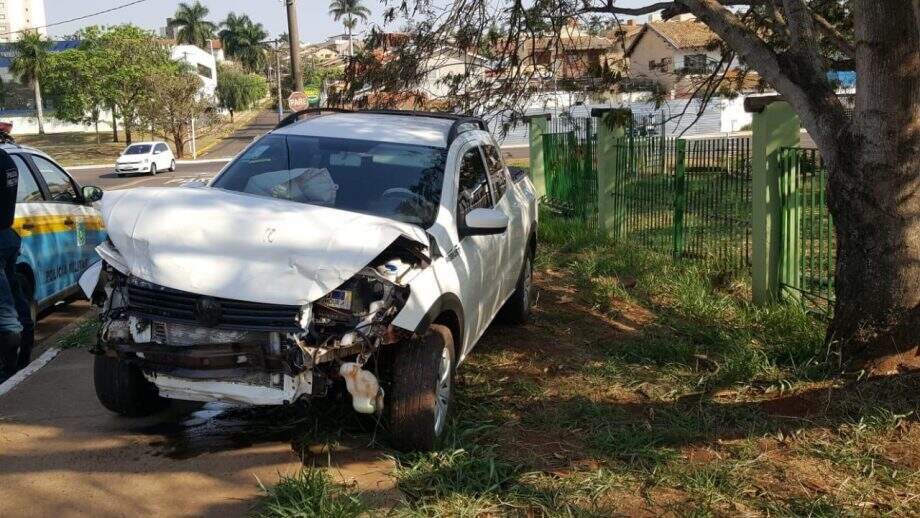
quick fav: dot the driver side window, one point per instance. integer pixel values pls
(473, 192)
(60, 186)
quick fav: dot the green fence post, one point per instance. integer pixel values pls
(538, 126)
(680, 195)
(775, 126)
(611, 213)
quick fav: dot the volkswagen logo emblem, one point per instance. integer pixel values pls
(208, 311)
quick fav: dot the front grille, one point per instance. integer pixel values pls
(159, 303)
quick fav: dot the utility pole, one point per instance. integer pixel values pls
(294, 37)
(278, 65)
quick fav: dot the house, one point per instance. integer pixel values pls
(572, 54)
(432, 89)
(673, 53)
(202, 62)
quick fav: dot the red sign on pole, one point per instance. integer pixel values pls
(298, 101)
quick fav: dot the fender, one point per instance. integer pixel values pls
(447, 302)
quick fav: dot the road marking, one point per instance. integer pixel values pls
(30, 369)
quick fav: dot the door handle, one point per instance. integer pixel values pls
(69, 222)
(28, 226)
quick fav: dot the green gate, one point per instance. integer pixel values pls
(809, 240)
(570, 165)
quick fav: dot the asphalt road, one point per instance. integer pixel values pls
(106, 178)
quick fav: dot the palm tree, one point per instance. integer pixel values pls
(193, 28)
(244, 40)
(32, 51)
(351, 11)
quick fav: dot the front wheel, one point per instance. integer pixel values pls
(172, 166)
(123, 389)
(421, 390)
(153, 169)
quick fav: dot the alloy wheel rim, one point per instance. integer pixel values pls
(442, 392)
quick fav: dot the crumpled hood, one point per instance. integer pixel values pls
(237, 246)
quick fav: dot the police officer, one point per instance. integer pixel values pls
(16, 326)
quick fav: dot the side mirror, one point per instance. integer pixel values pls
(91, 193)
(518, 172)
(484, 222)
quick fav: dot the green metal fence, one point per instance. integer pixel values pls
(809, 240)
(570, 164)
(690, 198)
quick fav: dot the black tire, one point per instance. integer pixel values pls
(25, 284)
(517, 309)
(172, 166)
(120, 175)
(153, 169)
(122, 388)
(412, 399)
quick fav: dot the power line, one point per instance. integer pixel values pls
(109, 10)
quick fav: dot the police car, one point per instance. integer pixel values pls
(59, 227)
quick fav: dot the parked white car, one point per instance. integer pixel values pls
(145, 157)
(364, 251)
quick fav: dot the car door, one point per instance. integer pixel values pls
(76, 227)
(162, 156)
(32, 224)
(511, 242)
(479, 254)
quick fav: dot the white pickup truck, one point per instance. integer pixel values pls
(358, 251)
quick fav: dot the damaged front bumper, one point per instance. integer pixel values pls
(201, 348)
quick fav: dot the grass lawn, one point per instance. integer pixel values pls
(644, 387)
(71, 149)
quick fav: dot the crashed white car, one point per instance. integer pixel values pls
(367, 251)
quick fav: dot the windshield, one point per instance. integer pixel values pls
(397, 181)
(137, 150)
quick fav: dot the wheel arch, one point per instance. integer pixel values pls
(447, 311)
(26, 270)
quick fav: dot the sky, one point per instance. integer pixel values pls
(315, 22)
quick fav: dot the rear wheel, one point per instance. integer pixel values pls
(120, 175)
(517, 308)
(421, 391)
(123, 389)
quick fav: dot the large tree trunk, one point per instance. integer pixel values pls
(875, 194)
(40, 112)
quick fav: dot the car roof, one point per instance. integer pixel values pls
(16, 148)
(148, 143)
(376, 127)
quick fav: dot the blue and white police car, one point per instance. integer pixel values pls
(58, 224)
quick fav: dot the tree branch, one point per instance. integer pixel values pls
(834, 35)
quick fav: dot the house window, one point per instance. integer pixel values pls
(205, 72)
(696, 62)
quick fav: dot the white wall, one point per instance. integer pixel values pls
(22, 14)
(195, 56)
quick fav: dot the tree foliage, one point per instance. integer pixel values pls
(244, 41)
(238, 90)
(32, 52)
(193, 28)
(170, 104)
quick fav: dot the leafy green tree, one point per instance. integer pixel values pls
(32, 53)
(76, 80)
(244, 41)
(238, 90)
(192, 27)
(130, 55)
(170, 104)
(350, 11)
